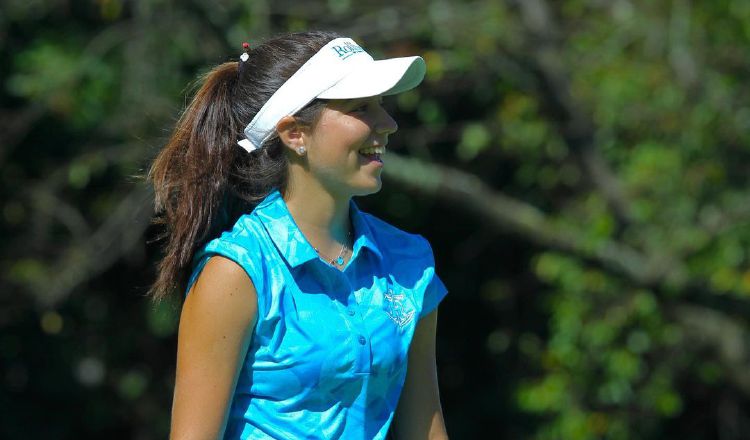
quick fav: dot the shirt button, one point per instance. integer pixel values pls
(351, 312)
(362, 340)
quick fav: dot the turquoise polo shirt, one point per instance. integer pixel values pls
(328, 355)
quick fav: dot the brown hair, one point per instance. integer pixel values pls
(203, 181)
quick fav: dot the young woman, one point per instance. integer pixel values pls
(304, 317)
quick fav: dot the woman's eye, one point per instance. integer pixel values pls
(365, 105)
(360, 108)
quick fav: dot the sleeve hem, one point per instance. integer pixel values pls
(433, 303)
(236, 253)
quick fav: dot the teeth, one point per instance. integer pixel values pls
(373, 150)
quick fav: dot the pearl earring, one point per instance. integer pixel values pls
(301, 150)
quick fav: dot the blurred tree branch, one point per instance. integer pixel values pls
(512, 216)
(89, 256)
(16, 124)
(716, 331)
(47, 203)
(544, 41)
(680, 54)
(515, 217)
(87, 252)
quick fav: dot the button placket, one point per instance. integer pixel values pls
(361, 335)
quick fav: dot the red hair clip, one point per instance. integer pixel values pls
(246, 47)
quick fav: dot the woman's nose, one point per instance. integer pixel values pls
(385, 123)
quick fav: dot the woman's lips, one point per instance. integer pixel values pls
(372, 154)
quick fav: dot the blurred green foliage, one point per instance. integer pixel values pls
(600, 286)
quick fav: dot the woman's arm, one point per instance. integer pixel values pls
(419, 415)
(216, 325)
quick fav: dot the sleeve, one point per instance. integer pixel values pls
(245, 253)
(435, 290)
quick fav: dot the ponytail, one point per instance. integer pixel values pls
(203, 181)
(190, 175)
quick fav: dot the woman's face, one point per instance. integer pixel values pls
(346, 146)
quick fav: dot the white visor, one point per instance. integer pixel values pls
(339, 70)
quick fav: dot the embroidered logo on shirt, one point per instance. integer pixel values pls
(396, 308)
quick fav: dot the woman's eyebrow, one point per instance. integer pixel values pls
(354, 102)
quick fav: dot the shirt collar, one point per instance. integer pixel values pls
(363, 236)
(289, 239)
(284, 232)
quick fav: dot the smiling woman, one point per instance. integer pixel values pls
(304, 317)
(343, 151)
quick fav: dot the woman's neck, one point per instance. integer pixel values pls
(323, 218)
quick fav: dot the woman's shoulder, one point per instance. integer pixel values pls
(241, 244)
(393, 239)
(244, 241)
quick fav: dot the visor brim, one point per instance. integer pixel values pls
(381, 77)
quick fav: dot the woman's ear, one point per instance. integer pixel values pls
(291, 133)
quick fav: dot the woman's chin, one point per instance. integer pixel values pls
(373, 185)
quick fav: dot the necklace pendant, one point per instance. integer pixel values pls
(340, 260)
